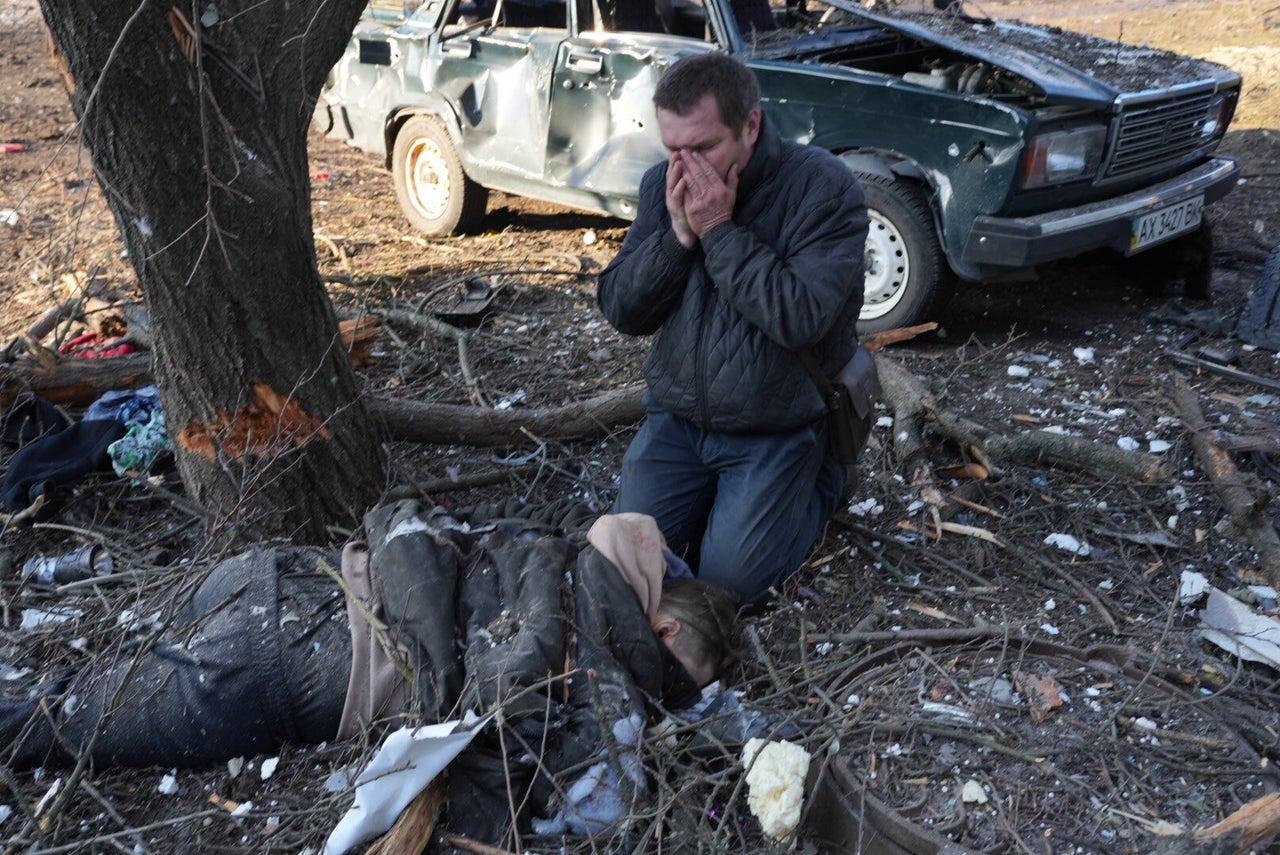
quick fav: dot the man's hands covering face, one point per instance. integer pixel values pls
(697, 198)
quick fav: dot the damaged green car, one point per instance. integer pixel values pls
(985, 147)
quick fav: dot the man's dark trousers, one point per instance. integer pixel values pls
(750, 505)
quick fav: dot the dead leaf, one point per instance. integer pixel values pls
(1041, 694)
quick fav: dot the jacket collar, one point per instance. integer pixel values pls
(764, 158)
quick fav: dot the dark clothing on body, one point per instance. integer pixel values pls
(488, 608)
(255, 657)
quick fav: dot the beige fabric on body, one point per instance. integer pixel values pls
(635, 545)
(375, 691)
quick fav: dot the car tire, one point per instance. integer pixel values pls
(1180, 267)
(908, 280)
(435, 193)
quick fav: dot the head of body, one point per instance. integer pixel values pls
(695, 620)
(709, 106)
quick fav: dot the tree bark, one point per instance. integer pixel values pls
(196, 119)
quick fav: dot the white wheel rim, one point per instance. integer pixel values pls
(428, 178)
(888, 267)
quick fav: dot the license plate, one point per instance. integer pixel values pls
(1166, 223)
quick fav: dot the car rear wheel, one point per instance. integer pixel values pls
(435, 193)
(908, 280)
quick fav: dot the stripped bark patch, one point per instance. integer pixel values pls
(273, 423)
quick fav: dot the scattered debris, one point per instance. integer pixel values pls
(1068, 543)
(776, 772)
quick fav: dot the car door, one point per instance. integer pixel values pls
(496, 79)
(603, 132)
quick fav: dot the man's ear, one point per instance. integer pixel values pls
(752, 127)
(667, 628)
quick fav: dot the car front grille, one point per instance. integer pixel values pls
(1158, 134)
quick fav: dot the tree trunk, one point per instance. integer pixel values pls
(196, 118)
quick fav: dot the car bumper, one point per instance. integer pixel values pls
(1012, 242)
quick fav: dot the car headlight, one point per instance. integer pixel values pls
(1061, 156)
(1217, 117)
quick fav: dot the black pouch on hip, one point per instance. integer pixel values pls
(851, 401)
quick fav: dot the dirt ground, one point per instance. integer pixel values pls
(1080, 352)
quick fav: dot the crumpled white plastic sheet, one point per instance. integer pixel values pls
(1238, 629)
(407, 761)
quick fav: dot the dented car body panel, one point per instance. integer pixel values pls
(1026, 149)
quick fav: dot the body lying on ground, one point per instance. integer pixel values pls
(502, 606)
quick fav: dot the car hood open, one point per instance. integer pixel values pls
(1070, 67)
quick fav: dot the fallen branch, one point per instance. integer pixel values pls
(875, 341)
(1248, 826)
(24, 514)
(73, 382)
(1224, 370)
(915, 408)
(451, 424)
(1038, 446)
(909, 401)
(77, 383)
(1244, 443)
(1241, 494)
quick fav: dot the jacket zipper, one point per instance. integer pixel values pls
(700, 356)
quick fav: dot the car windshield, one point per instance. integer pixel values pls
(735, 24)
(751, 24)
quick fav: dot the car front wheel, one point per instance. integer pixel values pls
(908, 280)
(435, 193)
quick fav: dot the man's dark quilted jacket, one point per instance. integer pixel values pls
(784, 275)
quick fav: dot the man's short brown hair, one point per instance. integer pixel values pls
(689, 79)
(708, 620)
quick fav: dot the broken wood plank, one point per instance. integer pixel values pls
(412, 832)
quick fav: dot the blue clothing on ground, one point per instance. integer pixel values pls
(129, 406)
